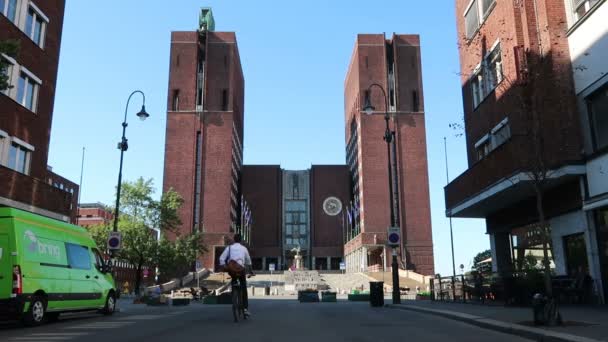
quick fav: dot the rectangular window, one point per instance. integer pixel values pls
(79, 256)
(598, 111)
(486, 6)
(477, 87)
(482, 147)
(471, 19)
(501, 134)
(27, 92)
(7, 72)
(224, 100)
(175, 100)
(415, 106)
(18, 158)
(487, 76)
(3, 140)
(494, 68)
(9, 9)
(581, 7)
(35, 25)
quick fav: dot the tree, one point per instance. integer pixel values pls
(140, 215)
(11, 49)
(481, 256)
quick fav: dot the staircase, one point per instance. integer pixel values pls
(345, 282)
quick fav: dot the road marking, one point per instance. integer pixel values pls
(145, 317)
(101, 325)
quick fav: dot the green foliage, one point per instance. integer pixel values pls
(483, 267)
(140, 214)
(11, 49)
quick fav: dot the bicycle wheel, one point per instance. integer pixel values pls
(236, 303)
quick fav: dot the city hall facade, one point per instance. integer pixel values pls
(328, 213)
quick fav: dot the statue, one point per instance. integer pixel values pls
(297, 258)
(206, 21)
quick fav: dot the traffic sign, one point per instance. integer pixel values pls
(271, 267)
(199, 266)
(115, 241)
(342, 266)
(394, 236)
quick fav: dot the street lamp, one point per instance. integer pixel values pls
(389, 137)
(123, 146)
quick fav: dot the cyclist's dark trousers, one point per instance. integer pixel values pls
(243, 280)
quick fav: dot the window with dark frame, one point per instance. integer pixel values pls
(582, 7)
(224, 99)
(175, 104)
(598, 111)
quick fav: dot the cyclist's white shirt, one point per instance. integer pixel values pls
(238, 253)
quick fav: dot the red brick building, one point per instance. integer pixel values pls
(92, 214)
(203, 149)
(520, 118)
(395, 65)
(305, 209)
(26, 110)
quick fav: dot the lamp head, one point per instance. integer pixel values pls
(143, 115)
(368, 108)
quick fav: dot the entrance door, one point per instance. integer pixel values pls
(601, 221)
(576, 254)
(6, 273)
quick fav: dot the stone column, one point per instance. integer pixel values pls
(264, 263)
(314, 263)
(501, 252)
(328, 263)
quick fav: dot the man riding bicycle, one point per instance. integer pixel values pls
(236, 261)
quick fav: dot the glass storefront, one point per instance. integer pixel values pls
(527, 248)
(601, 222)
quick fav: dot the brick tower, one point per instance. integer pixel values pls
(395, 65)
(203, 148)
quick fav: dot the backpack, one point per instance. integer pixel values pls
(233, 268)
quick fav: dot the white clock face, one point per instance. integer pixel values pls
(332, 206)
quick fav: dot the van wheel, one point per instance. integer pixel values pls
(110, 305)
(37, 312)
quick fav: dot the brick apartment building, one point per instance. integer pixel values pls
(520, 115)
(26, 110)
(303, 208)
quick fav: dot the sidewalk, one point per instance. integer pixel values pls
(582, 323)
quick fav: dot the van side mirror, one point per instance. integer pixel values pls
(106, 268)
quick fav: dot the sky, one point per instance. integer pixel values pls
(294, 54)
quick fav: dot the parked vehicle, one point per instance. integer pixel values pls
(48, 267)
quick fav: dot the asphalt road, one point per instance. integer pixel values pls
(273, 320)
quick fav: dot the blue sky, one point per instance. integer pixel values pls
(294, 54)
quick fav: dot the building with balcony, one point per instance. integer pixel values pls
(524, 135)
(26, 110)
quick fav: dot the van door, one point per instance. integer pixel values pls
(6, 272)
(84, 292)
(102, 284)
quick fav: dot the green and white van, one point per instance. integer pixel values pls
(48, 267)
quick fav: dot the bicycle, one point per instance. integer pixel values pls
(238, 309)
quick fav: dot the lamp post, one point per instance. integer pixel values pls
(123, 146)
(389, 137)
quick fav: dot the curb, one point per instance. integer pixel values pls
(500, 326)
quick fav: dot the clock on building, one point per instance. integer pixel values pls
(332, 206)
